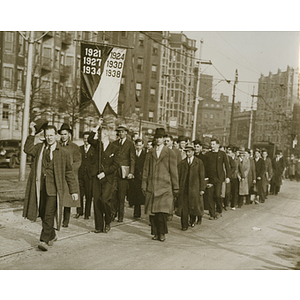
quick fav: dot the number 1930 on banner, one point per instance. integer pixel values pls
(92, 63)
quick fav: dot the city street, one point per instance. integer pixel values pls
(255, 237)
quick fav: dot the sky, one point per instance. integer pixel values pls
(252, 53)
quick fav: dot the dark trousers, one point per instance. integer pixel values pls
(185, 213)
(234, 191)
(226, 200)
(159, 223)
(102, 203)
(66, 215)
(48, 206)
(215, 202)
(137, 211)
(207, 195)
(260, 191)
(122, 192)
(86, 189)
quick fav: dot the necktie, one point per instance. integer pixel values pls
(47, 154)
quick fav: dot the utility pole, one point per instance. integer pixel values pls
(25, 123)
(197, 93)
(251, 120)
(232, 107)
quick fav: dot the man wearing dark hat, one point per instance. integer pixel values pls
(126, 160)
(278, 169)
(65, 142)
(260, 170)
(160, 184)
(45, 190)
(192, 184)
(85, 176)
(182, 142)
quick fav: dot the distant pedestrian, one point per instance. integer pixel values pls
(160, 184)
(191, 188)
(260, 170)
(278, 169)
(218, 172)
(243, 170)
(66, 132)
(85, 176)
(136, 197)
(269, 172)
(45, 190)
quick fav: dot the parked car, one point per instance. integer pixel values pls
(10, 153)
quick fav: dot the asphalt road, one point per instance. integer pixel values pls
(255, 237)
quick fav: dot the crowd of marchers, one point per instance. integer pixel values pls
(166, 176)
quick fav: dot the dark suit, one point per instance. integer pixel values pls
(85, 180)
(191, 183)
(278, 168)
(216, 174)
(135, 195)
(260, 170)
(126, 157)
(104, 189)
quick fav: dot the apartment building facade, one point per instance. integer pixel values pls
(274, 108)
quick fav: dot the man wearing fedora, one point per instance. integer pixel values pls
(160, 184)
(126, 159)
(192, 184)
(45, 190)
(66, 132)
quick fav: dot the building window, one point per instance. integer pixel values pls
(155, 48)
(21, 45)
(153, 71)
(69, 60)
(138, 88)
(9, 41)
(5, 112)
(56, 64)
(211, 116)
(141, 40)
(206, 105)
(152, 94)
(151, 115)
(140, 64)
(8, 77)
(205, 116)
(20, 80)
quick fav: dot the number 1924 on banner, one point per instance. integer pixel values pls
(92, 63)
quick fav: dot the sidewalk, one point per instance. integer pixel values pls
(18, 234)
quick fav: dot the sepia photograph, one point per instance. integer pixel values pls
(150, 150)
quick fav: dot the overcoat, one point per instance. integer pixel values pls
(243, 170)
(74, 150)
(135, 195)
(269, 172)
(160, 178)
(278, 168)
(196, 184)
(62, 172)
(252, 173)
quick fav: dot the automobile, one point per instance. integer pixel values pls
(10, 153)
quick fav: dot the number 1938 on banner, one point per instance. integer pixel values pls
(101, 73)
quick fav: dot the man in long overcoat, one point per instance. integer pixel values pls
(66, 132)
(136, 197)
(260, 170)
(45, 190)
(269, 172)
(192, 184)
(243, 170)
(160, 184)
(278, 169)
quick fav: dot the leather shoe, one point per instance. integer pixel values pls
(212, 218)
(199, 221)
(97, 231)
(65, 225)
(155, 238)
(184, 229)
(77, 216)
(86, 218)
(120, 221)
(193, 225)
(43, 246)
(51, 242)
(107, 228)
(162, 237)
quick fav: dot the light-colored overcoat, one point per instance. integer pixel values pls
(160, 179)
